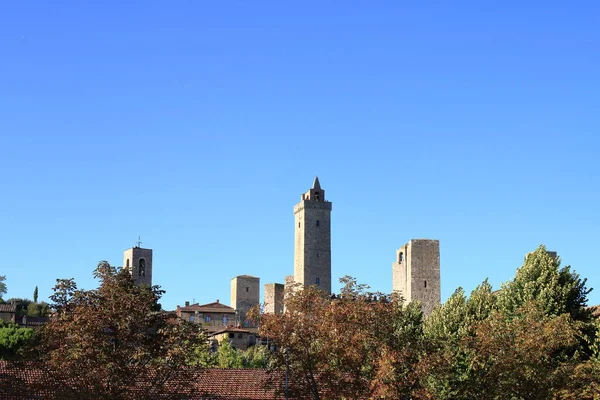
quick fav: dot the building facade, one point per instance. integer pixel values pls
(245, 294)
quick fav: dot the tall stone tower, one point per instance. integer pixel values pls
(312, 250)
(139, 262)
(245, 294)
(416, 273)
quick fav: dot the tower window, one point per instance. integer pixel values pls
(400, 257)
(247, 289)
(318, 281)
(425, 285)
(317, 222)
(317, 196)
(142, 267)
(298, 224)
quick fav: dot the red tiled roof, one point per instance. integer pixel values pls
(8, 308)
(19, 380)
(595, 310)
(215, 307)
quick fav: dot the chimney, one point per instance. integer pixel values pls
(187, 303)
(217, 300)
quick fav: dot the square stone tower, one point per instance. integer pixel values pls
(274, 298)
(416, 273)
(312, 250)
(139, 262)
(245, 294)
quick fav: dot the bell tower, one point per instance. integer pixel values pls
(139, 262)
(312, 249)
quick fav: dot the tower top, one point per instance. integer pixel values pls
(315, 193)
(316, 183)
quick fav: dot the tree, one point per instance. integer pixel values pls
(14, 340)
(114, 342)
(38, 309)
(21, 305)
(35, 295)
(2, 285)
(541, 279)
(356, 345)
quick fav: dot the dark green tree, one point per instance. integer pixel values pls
(35, 295)
(2, 286)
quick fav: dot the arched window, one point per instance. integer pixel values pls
(317, 196)
(400, 257)
(142, 267)
(318, 281)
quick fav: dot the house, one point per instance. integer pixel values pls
(240, 338)
(8, 312)
(213, 316)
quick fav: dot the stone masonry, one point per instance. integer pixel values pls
(245, 294)
(274, 298)
(312, 250)
(416, 273)
(139, 262)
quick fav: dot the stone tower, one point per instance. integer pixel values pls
(416, 273)
(312, 250)
(245, 294)
(139, 262)
(274, 293)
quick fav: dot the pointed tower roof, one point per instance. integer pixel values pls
(316, 184)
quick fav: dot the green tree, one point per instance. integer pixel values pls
(21, 305)
(542, 280)
(14, 340)
(2, 285)
(35, 295)
(228, 357)
(103, 343)
(38, 309)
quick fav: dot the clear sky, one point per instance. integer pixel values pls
(197, 126)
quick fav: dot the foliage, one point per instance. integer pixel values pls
(541, 279)
(38, 309)
(356, 345)
(21, 305)
(14, 340)
(99, 342)
(2, 285)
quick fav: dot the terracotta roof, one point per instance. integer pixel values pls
(595, 310)
(28, 380)
(231, 329)
(8, 308)
(215, 307)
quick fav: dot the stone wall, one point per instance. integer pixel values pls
(274, 298)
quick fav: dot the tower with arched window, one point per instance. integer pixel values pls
(416, 273)
(139, 262)
(312, 246)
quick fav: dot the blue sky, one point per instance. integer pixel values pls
(197, 126)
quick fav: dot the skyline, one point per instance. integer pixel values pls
(198, 127)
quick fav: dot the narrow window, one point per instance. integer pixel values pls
(317, 196)
(298, 224)
(142, 268)
(247, 289)
(318, 281)
(317, 222)
(401, 257)
(425, 284)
